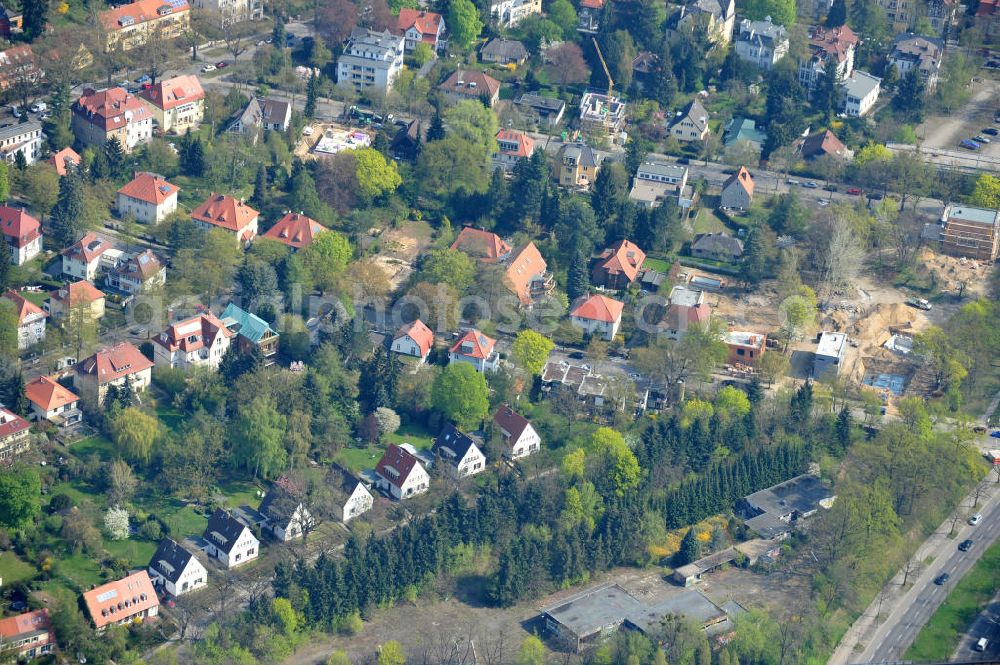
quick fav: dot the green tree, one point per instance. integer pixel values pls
(258, 281)
(312, 92)
(136, 432)
(463, 22)
(64, 225)
(622, 467)
(4, 183)
(20, 497)
(461, 395)
(987, 191)
(35, 14)
(731, 403)
(532, 652)
(470, 120)
(562, 13)
(326, 258)
(376, 176)
(574, 464)
(690, 550)
(391, 653)
(284, 616)
(258, 436)
(910, 95)
(826, 98)
(259, 197)
(531, 350)
(40, 185)
(837, 16)
(422, 54)
(451, 164)
(338, 658)
(781, 12)
(8, 327)
(449, 266)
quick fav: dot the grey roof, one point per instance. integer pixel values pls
(170, 559)
(971, 214)
(510, 49)
(860, 84)
(279, 505)
(663, 168)
(609, 606)
(452, 445)
(713, 7)
(718, 243)
(380, 44)
(696, 112)
(582, 152)
(227, 527)
(19, 129)
(342, 483)
(764, 32)
(801, 494)
(548, 104)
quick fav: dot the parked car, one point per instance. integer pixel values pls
(208, 68)
(965, 545)
(810, 185)
(877, 196)
(919, 303)
(982, 644)
(976, 519)
(38, 107)
(854, 191)
(16, 112)
(222, 64)
(793, 181)
(143, 79)
(980, 139)
(992, 131)
(941, 579)
(830, 187)
(969, 144)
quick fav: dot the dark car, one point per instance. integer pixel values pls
(577, 355)
(965, 545)
(830, 187)
(991, 131)
(941, 579)
(877, 196)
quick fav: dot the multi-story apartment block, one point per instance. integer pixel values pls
(129, 26)
(113, 112)
(371, 60)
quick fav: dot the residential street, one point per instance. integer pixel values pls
(906, 610)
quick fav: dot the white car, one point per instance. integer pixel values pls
(976, 519)
(208, 68)
(823, 203)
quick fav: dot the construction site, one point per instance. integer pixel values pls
(325, 139)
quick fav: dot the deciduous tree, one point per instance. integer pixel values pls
(460, 394)
(531, 350)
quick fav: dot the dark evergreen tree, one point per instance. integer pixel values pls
(193, 161)
(609, 190)
(117, 160)
(20, 162)
(826, 96)
(577, 278)
(909, 97)
(755, 392)
(551, 208)
(35, 14)
(837, 15)
(312, 92)
(259, 198)
(784, 108)
(757, 260)
(436, 131)
(843, 428)
(66, 216)
(377, 387)
(690, 550)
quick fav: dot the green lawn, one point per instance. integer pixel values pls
(938, 638)
(659, 265)
(240, 493)
(358, 459)
(138, 552)
(184, 522)
(96, 445)
(707, 222)
(419, 437)
(13, 569)
(77, 493)
(81, 570)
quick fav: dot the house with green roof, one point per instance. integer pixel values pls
(251, 330)
(744, 129)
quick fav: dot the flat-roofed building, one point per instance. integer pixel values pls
(970, 232)
(829, 354)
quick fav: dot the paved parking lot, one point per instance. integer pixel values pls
(946, 132)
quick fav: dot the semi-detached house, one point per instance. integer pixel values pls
(178, 103)
(114, 366)
(126, 601)
(176, 569)
(148, 198)
(519, 436)
(459, 453)
(230, 541)
(200, 341)
(400, 473)
(83, 259)
(229, 214)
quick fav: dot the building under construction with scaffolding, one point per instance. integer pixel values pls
(602, 112)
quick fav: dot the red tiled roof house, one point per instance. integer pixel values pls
(470, 84)
(99, 116)
(618, 266)
(64, 159)
(112, 366)
(599, 316)
(148, 198)
(737, 191)
(414, 339)
(51, 401)
(295, 230)
(14, 435)
(22, 234)
(476, 349)
(199, 341)
(224, 212)
(485, 246)
(129, 600)
(27, 636)
(82, 259)
(512, 146)
(401, 474)
(30, 320)
(527, 275)
(177, 104)
(417, 25)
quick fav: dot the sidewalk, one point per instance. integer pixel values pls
(870, 629)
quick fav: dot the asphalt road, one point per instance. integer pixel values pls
(987, 625)
(899, 629)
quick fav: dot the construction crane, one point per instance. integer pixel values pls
(611, 83)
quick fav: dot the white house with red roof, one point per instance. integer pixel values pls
(82, 259)
(100, 115)
(295, 230)
(200, 341)
(137, 273)
(527, 275)
(400, 473)
(14, 435)
(27, 636)
(30, 320)
(519, 437)
(126, 601)
(22, 234)
(512, 146)
(471, 84)
(229, 214)
(113, 366)
(598, 315)
(687, 308)
(149, 198)
(476, 349)
(485, 246)
(52, 401)
(65, 159)
(413, 339)
(177, 103)
(417, 25)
